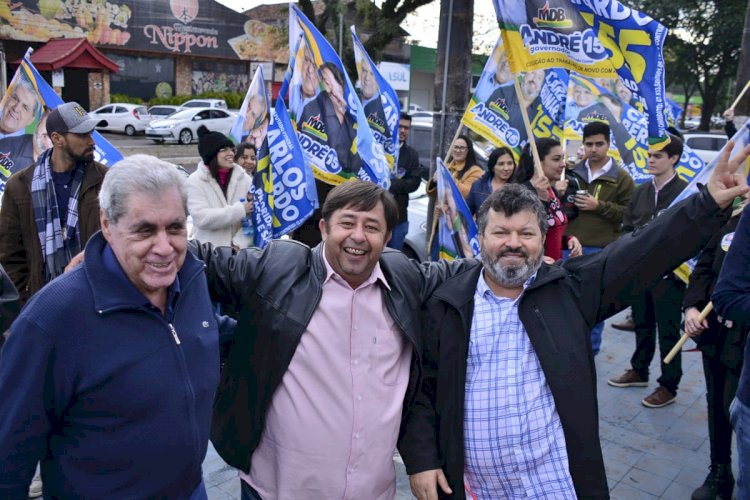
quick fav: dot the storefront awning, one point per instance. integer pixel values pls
(76, 53)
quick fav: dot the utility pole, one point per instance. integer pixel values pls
(452, 78)
(743, 68)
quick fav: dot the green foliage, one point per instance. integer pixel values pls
(125, 98)
(382, 23)
(703, 45)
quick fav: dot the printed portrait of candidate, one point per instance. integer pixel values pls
(580, 97)
(42, 141)
(340, 126)
(255, 124)
(307, 79)
(20, 107)
(504, 100)
(371, 99)
(455, 224)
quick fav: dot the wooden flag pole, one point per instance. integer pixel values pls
(527, 124)
(678, 346)
(737, 101)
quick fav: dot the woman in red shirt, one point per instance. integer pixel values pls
(552, 157)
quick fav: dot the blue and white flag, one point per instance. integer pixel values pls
(252, 121)
(284, 194)
(741, 140)
(607, 101)
(330, 121)
(457, 232)
(494, 111)
(23, 123)
(599, 39)
(381, 104)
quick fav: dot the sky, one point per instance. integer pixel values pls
(422, 24)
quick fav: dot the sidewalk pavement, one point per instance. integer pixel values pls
(648, 453)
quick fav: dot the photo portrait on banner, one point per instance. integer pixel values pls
(494, 111)
(457, 235)
(23, 123)
(380, 101)
(330, 121)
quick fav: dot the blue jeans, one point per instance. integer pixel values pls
(739, 415)
(596, 332)
(398, 235)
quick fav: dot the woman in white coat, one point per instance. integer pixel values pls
(214, 193)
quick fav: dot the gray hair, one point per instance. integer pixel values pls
(26, 85)
(509, 200)
(138, 174)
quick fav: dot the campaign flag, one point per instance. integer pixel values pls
(283, 188)
(494, 111)
(252, 122)
(600, 39)
(380, 101)
(741, 140)
(457, 232)
(606, 100)
(674, 111)
(23, 123)
(330, 121)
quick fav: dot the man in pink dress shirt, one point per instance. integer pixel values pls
(326, 358)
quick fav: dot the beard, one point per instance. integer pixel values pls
(510, 276)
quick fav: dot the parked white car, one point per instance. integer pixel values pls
(705, 145)
(184, 125)
(121, 117)
(204, 103)
(162, 111)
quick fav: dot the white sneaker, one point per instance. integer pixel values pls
(35, 488)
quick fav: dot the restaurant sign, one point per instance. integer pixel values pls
(191, 27)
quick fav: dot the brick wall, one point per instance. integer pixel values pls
(98, 89)
(183, 76)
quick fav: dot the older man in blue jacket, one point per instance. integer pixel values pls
(109, 373)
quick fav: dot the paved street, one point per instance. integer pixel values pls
(185, 156)
(649, 453)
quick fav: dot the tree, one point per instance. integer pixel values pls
(384, 23)
(452, 79)
(743, 68)
(702, 46)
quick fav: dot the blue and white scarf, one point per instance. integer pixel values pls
(58, 245)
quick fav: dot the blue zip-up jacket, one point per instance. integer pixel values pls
(111, 396)
(731, 297)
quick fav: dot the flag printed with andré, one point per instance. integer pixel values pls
(494, 111)
(606, 100)
(23, 123)
(598, 39)
(457, 235)
(283, 187)
(380, 101)
(330, 121)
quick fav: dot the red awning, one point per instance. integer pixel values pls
(78, 53)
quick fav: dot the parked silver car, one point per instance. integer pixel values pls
(121, 117)
(416, 239)
(204, 103)
(184, 125)
(705, 145)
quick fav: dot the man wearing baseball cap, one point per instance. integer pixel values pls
(51, 209)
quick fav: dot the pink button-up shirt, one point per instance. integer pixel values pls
(332, 424)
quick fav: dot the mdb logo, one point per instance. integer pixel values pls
(552, 17)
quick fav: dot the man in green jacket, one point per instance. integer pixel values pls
(602, 192)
